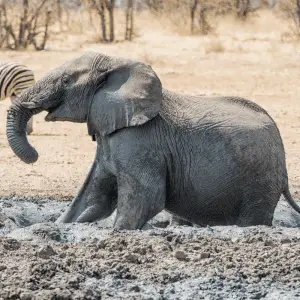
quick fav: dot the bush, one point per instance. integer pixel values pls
(24, 23)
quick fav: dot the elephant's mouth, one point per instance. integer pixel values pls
(51, 112)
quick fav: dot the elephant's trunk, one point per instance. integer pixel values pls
(17, 118)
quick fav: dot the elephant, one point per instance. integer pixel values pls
(206, 160)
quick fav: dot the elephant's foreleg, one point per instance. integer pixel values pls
(141, 196)
(96, 200)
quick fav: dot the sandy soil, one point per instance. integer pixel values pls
(255, 65)
(44, 261)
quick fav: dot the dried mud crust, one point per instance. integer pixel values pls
(154, 265)
(43, 260)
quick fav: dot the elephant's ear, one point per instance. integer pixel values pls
(131, 95)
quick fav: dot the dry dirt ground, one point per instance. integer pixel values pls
(250, 60)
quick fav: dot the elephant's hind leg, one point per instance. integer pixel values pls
(258, 209)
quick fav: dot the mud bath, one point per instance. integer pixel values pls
(43, 260)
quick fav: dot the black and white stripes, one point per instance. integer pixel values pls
(14, 79)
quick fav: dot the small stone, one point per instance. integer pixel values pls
(285, 240)
(11, 244)
(3, 217)
(2, 267)
(94, 294)
(25, 296)
(229, 265)
(101, 244)
(269, 243)
(181, 255)
(205, 255)
(62, 294)
(74, 282)
(235, 239)
(46, 252)
(132, 258)
(62, 255)
(169, 238)
(135, 288)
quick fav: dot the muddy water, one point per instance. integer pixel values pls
(43, 260)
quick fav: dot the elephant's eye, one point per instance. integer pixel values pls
(65, 80)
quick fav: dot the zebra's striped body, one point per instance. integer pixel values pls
(14, 79)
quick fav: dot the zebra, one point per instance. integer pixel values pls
(14, 79)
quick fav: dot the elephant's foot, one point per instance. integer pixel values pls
(89, 214)
(176, 221)
(71, 215)
(147, 226)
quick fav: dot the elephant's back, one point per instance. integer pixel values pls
(190, 112)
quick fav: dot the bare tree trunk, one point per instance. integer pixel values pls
(101, 12)
(110, 5)
(46, 33)
(298, 12)
(203, 23)
(1, 24)
(193, 10)
(9, 33)
(111, 26)
(68, 17)
(129, 20)
(242, 7)
(59, 14)
(23, 25)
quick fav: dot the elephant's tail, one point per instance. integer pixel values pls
(286, 193)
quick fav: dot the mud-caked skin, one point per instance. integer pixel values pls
(207, 160)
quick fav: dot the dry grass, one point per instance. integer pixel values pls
(151, 59)
(148, 58)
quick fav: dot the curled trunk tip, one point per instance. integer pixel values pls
(17, 118)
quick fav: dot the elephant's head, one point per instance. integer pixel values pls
(106, 92)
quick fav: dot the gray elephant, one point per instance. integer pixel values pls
(208, 160)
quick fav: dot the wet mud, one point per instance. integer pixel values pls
(40, 259)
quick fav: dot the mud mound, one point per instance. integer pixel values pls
(43, 260)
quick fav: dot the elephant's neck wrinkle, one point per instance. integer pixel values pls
(91, 129)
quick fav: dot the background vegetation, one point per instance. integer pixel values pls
(33, 23)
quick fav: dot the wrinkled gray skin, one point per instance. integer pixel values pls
(207, 160)
(29, 128)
